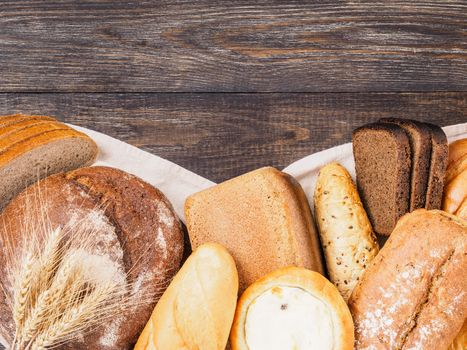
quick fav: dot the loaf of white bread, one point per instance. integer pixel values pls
(33, 147)
(197, 309)
(413, 295)
(262, 218)
(292, 308)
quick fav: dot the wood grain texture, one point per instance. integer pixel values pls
(241, 46)
(223, 135)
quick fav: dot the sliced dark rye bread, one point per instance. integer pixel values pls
(420, 147)
(35, 158)
(438, 165)
(382, 162)
(6, 120)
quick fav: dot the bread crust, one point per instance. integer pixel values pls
(438, 166)
(11, 119)
(311, 282)
(455, 193)
(413, 294)
(262, 218)
(197, 309)
(143, 226)
(456, 150)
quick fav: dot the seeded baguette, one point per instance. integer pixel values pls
(346, 235)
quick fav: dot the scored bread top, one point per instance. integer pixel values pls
(262, 218)
(382, 163)
(413, 294)
(16, 118)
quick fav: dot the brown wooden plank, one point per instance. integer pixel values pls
(276, 46)
(223, 135)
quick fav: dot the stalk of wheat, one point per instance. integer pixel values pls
(56, 296)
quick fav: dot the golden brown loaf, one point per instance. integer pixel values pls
(413, 294)
(292, 308)
(346, 235)
(197, 309)
(262, 218)
(32, 147)
(136, 231)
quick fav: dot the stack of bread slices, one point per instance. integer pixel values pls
(400, 165)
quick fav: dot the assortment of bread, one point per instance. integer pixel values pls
(90, 256)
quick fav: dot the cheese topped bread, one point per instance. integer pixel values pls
(292, 308)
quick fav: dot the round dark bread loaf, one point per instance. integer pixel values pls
(136, 228)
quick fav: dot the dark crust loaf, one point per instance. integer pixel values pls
(438, 165)
(420, 145)
(413, 295)
(144, 227)
(382, 163)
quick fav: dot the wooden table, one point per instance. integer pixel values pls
(225, 87)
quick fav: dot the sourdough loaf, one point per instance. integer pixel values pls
(262, 218)
(34, 147)
(413, 295)
(136, 230)
(383, 163)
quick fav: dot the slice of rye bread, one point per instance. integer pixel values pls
(24, 134)
(438, 165)
(6, 120)
(382, 163)
(45, 154)
(420, 147)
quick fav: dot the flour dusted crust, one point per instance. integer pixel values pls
(309, 281)
(413, 295)
(137, 233)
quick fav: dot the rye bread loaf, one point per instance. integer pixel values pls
(135, 228)
(262, 218)
(420, 147)
(383, 165)
(438, 165)
(413, 294)
(46, 147)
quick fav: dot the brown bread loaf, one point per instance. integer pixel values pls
(413, 294)
(383, 166)
(420, 147)
(136, 230)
